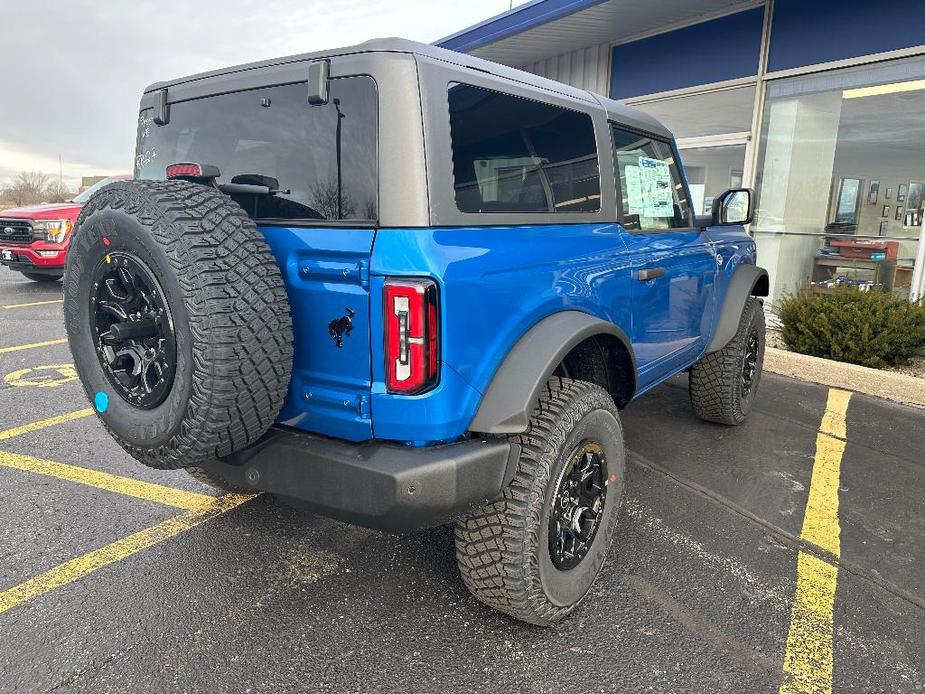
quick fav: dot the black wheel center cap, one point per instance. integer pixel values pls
(132, 329)
(578, 506)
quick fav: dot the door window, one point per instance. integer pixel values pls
(653, 197)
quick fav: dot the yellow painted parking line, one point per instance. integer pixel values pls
(44, 423)
(34, 303)
(178, 498)
(833, 421)
(32, 345)
(77, 568)
(809, 656)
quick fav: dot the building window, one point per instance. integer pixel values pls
(712, 171)
(272, 133)
(842, 161)
(704, 115)
(516, 155)
(712, 131)
(651, 189)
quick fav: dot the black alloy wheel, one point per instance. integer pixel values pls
(750, 364)
(578, 506)
(133, 330)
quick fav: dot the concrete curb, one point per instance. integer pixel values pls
(907, 390)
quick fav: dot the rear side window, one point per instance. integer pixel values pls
(324, 157)
(516, 155)
(652, 191)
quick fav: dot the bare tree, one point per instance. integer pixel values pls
(324, 200)
(57, 191)
(27, 188)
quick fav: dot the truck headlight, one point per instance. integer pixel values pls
(53, 230)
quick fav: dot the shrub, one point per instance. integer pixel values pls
(868, 328)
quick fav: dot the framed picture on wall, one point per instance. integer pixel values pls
(874, 193)
(884, 226)
(901, 193)
(899, 213)
(846, 196)
(914, 201)
(889, 194)
(886, 211)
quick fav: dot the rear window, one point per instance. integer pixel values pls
(323, 157)
(516, 155)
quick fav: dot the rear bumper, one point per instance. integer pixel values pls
(375, 484)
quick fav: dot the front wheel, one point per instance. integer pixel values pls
(723, 384)
(534, 552)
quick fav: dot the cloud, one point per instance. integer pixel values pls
(71, 73)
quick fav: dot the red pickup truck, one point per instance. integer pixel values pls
(34, 239)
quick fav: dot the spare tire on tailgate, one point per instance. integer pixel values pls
(178, 321)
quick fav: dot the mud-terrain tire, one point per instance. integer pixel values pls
(723, 384)
(207, 478)
(503, 549)
(206, 283)
(40, 277)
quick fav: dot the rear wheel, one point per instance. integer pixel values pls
(534, 552)
(178, 321)
(723, 384)
(40, 277)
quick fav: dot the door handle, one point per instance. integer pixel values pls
(650, 273)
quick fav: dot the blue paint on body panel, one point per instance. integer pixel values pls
(495, 283)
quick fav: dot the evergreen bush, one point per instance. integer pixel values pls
(868, 328)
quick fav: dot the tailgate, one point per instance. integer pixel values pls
(326, 271)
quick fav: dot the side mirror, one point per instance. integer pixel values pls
(734, 208)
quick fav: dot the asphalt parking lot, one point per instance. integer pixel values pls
(785, 555)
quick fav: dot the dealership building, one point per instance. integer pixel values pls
(819, 106)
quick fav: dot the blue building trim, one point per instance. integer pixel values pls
(713, 51)
(806, 33)
(520, 19)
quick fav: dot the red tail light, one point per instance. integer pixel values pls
(192, 170)
(178, 170)
(411, 335)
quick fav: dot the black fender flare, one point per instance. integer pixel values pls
(515, 388)
(747, 280)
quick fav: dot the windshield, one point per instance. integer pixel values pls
(81, 198)
(324, 157)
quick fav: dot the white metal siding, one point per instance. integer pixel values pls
(585, 68)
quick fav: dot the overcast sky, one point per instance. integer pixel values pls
(72, 71)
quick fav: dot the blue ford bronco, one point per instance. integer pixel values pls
(409, 287)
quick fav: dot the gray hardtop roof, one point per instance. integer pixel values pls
(615, 110)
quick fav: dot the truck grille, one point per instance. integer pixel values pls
(15, 231)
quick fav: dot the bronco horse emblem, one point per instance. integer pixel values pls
(339, 327)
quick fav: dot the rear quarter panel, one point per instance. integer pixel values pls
(495, 283)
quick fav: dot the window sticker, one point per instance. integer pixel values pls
(634, 200)
(655, 183)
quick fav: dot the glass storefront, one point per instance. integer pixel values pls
(712, 171)
(712, 113)
(841, 179)
(712, 130)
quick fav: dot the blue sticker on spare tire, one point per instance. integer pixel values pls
(101, 401)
